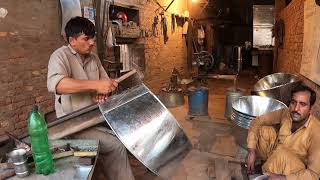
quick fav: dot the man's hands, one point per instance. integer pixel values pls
(103, 88)
(251, 158)
(273, 176)
(99, 98)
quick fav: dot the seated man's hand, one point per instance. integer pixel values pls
(99, 98)
(251, 158)
(106, 86)
(273, 176)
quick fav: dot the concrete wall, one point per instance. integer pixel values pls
(290, 56)
(30, 33)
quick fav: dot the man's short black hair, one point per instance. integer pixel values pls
(79, 25)
(302, 88)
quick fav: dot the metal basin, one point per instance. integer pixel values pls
(277, 86)
(246, 109)
(172, 98)
(231, 95)
(147, 129)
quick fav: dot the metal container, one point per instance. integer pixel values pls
(245, 109)
(232, 94)
(19, 159)
(172, 98)
(198, 101)
(147, 129)
(277, 86)
(261, 177)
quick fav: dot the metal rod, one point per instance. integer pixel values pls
(169, 5)
(73, 114)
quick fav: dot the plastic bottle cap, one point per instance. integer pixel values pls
(34, 108)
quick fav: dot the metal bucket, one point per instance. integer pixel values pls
(172, 98)
(198, 101)
(19, 159)
(245, 109)
(277, 86)
(147, 129)
(232, 95)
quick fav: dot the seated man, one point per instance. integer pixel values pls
(293, 151)
(78, 79)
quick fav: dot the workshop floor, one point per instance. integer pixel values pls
(215, 154)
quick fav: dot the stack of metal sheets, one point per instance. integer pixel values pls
(245, 110)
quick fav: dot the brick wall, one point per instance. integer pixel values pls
(290, 56)
(160, 57)
(31, 32)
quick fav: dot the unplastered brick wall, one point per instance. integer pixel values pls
(290, 56)
(161, 58)
(29, 33)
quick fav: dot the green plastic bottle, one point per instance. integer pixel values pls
(41, 153)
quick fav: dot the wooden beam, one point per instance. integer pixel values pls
(190, 44)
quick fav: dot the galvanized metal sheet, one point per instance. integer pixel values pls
(147, 129)
(69, 9)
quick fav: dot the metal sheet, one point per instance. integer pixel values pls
(147, 129)
(277, 86)
(69, 9)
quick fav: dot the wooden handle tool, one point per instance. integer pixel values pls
(125, 76)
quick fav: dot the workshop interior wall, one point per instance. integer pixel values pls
(161, 58)
(30, 32)
(289, 57)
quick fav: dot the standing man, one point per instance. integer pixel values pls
(78, 79)
(293, 151)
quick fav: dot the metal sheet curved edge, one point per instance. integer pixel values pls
(147, 129)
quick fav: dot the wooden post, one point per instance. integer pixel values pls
(190, 44)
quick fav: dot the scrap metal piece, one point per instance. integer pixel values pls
(147, 129)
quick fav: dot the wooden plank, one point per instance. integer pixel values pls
(222, 169)
(225, 145)
(62, 154)
(84, 154)
(190, 44)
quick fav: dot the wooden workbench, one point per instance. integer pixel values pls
(68, 167)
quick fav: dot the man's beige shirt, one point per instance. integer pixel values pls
(65, 62)
(305, 142)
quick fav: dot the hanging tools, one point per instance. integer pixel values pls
(154, 26)
(164, 28)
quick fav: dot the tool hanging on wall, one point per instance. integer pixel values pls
(154, 26)
(173, 23)
(164, 28)
(163, 20)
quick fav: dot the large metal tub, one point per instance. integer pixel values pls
(277, 86)
(246, 109)
(147, 129)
